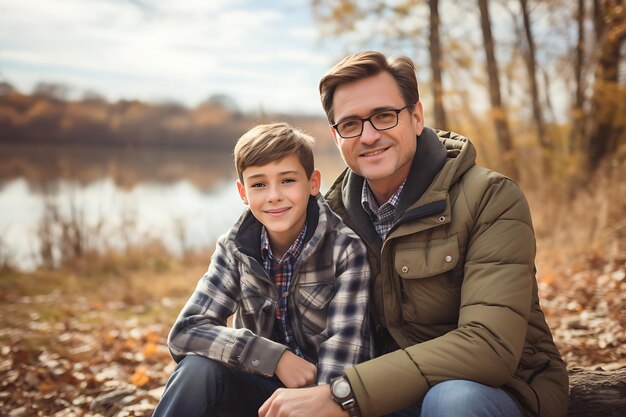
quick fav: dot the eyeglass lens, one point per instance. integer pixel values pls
(380, 121)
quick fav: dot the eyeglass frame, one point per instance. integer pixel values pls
(369, 119)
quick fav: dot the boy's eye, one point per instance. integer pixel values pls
(287, 180)
(257, 185)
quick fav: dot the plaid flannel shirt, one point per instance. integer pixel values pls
(382, 217)
(281, 271)
(327, 303)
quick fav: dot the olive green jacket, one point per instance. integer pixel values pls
(454, 285)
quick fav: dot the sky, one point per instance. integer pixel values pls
(265, 54)
(268, 55)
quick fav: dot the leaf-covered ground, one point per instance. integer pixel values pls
(94, 344)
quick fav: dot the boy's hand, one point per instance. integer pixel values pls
(294, 371)
(306, 402)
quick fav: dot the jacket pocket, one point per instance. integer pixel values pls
(429, 281)
(313, 300)
(426, 259)
(253, 302)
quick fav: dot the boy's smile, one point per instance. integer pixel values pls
(278, 195)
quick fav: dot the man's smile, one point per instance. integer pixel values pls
(374, 152)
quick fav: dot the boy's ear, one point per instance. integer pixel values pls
(315, 182)
(242, 192)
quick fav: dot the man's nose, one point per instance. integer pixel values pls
(369, 134)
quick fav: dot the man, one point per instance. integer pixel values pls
(457, 320)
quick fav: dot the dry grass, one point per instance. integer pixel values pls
(581, 222)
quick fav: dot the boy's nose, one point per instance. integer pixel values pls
(274, 194)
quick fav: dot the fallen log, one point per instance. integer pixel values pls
(597, 393)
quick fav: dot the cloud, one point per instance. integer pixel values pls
(185, 50)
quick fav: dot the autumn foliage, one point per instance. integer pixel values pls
(87, 336)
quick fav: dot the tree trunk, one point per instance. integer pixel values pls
(441, 121)
(597, 393)
(531, 67)
(578, 126)
(607, 100)
(499, 113)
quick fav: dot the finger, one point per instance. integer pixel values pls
(263, 410)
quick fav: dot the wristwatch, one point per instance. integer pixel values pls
(341, 393)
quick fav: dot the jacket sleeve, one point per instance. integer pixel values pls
(495, 305)
(200, 328)
(347, 327)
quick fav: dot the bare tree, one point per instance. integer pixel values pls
(577, 132)
(531, 66)
(607, 102)
(435, 65)
(503, 132)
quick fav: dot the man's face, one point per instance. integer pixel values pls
(278, 195)
(382, 157)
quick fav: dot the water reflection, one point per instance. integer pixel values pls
(184, 198)
(177, 214)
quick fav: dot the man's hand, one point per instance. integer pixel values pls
(304, 402)
(294, 371)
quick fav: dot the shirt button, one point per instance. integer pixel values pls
(405, 269)
(255, 362)
(448, 258)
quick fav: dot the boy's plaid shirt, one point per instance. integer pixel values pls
(281, 271)
(327, 307)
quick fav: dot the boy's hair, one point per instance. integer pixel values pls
(366, 64)
(264, 144)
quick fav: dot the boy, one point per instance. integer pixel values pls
(297, 278)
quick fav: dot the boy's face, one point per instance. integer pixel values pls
(278, 194)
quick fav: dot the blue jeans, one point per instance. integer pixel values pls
(458, 398)
(201, 387)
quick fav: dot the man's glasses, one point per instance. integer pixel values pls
(382, 120)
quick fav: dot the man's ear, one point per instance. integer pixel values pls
(242, 192)
(315, 182)
(417, 117)
(336, 137)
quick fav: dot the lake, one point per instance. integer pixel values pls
(184, 198)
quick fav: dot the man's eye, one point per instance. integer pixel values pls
(384, 116)
(349, 124)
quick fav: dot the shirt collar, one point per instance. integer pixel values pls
(293, 251)
(369, 204)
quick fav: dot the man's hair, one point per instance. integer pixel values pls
(366, 64)
(268, 143)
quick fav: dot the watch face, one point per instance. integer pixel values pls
(342, 389)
